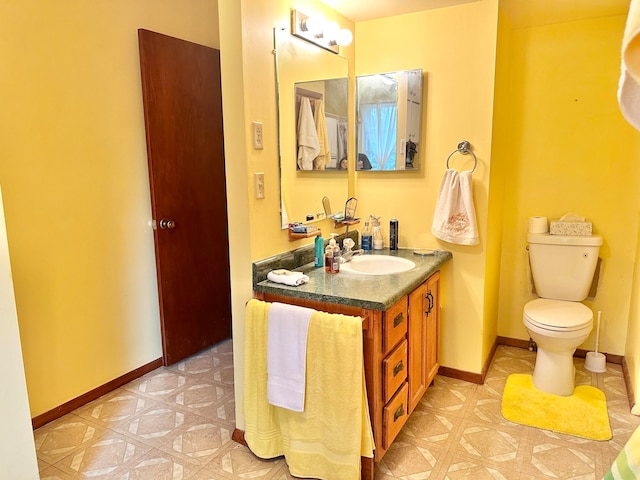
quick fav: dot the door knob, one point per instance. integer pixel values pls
(167, 224)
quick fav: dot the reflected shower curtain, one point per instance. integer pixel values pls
(379, 121)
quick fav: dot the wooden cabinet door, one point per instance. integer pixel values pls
(432, 301)
(417, 371)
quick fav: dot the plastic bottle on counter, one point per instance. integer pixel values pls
(393, 234)
(378, 239)
(367, 237)
(331, 259)
(319, 250)
(336, 256)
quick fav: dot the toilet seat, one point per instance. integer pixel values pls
(558, 315)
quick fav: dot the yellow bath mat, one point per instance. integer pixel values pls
(583, 414)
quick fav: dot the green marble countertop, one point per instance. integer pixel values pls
(373, 292)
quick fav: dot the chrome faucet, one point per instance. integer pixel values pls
(349, 254)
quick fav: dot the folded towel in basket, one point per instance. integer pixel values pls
(287, 277)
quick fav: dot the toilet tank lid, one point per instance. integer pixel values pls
(548, 239)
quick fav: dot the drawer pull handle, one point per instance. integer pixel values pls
(398, 368)
(399, 413)
(398, 320)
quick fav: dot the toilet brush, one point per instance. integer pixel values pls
(596, 362)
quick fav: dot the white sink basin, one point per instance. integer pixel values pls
(377, 265)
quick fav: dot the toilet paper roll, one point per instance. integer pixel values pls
(538, 225)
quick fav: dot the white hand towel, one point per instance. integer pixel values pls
(308, 144)
(629, 84)
(288, 327)
(287, 277)
(454, 220)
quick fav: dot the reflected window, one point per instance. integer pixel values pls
(379, 132)
(389, 112)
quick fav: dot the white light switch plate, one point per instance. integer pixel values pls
(258, 178)
(258, 140)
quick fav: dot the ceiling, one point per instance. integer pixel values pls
(361, 10)
(523, 13)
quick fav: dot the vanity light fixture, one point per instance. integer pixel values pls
(321, 32)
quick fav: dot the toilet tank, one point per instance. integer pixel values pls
(563, 266)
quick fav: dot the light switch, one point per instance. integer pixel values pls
(259, 184)
(258, 140)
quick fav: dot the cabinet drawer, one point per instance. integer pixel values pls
(395, 325)
(394, 371)
(394, 416)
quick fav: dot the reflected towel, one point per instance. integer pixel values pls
(328, 438)
(287, 277)
(287, 355)
(629, 84)
(454, 220)
(324, 155)
(308, 144)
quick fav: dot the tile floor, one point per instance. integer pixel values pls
(176, 423)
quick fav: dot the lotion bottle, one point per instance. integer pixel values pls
(319, 250)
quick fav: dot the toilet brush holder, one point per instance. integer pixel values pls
(595, 362)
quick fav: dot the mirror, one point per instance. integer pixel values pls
(305, 67)
(389, 113)
(321, 124)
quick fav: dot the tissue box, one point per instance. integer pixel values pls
(558, 227)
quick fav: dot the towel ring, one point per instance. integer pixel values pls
(464, 148)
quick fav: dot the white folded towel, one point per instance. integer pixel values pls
(288, 327)
(629, 84)
(287, 277)
(454, 220)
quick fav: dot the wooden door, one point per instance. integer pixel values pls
(182, 99)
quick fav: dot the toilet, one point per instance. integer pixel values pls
(562, 267)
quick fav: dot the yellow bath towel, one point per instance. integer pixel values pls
(327, 439)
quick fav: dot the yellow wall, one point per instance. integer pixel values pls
(455, 47)
(74, 174)
(568, 148)
(259, 17)
(249, 92)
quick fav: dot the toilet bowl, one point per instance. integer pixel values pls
(558, 327)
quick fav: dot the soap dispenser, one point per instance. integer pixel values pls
(332, 256)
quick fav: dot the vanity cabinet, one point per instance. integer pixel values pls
(400, 355)
(423, 331)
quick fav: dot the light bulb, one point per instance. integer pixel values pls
(331, 30)
(344, 37)
(313, 24)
